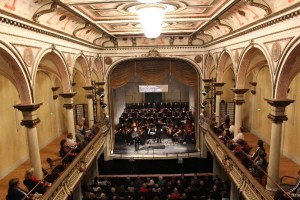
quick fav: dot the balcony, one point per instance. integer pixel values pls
(248, 186)
(72, 175)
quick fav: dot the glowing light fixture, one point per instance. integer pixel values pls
(151, 17)
(149, 1)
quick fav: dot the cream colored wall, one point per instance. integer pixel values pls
(47, 128)
(291, 136)
(228, 95)
(261, 124)
(249, 105)
(13, 142)
(80, 96)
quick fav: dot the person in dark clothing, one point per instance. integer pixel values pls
(15, 192)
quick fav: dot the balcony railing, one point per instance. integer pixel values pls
(66, 182)
(239, 174)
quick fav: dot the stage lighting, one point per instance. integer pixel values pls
(100, 92)
(204, 93)
(103, 105)
(204, 104)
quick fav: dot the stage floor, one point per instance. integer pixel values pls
(152, 147)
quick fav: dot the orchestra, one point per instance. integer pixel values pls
(141, 123)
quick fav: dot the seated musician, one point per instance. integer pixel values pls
(177, 134)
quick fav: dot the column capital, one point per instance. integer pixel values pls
(68, 98)
(88, 88)
(277, 114)
(206, 80)
(30, 119)
(239, 95)
(54, 89)
(68, 95)
(100, 83)
(218, 88)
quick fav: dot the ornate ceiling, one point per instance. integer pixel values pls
(111, 23)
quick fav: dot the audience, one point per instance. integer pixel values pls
(174, 188)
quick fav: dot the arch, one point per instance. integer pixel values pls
(84, 68)
(209, 65)
(59, 68)
(17, 73)
(221, 67)
(244, 66)
(288, 71)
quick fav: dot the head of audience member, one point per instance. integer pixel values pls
(241, 130)
(29, 174)
(260, 143)
(70, 135)
(13, 183)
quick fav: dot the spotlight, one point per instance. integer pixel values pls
(204, 104)
(103, 105)
(100, 92)
(204, 93)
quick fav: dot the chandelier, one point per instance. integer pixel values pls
(151, 17)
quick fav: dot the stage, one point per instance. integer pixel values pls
(152, 147)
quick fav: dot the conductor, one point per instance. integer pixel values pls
(136, 139)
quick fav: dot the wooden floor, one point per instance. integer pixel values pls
(287, 167)
(50, 151)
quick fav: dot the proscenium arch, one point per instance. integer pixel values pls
(187, 61)
(221, 68)
(16, 73)
(208, 65)
(61, 66)
(288, 71)
(243, 65)
(85, 70)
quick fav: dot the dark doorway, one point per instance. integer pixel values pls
(153, 97)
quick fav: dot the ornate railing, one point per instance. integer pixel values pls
(66, 182)
(239, 174)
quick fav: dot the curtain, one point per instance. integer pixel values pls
(184, 73)
(121, 75)
(152, 72)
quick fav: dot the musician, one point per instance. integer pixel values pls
(136, 139)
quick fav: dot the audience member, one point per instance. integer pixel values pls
(15, 192)
(259, 166)
(33, 184)
(260, 148)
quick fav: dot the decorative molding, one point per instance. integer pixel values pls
(86, 25)
(68, 95)
(259, 5)
(277, 114)
(153, 53)
(88, 88)
(39, 13)
(30, 119)
(217, 21)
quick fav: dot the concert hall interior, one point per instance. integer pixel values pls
(149, 99)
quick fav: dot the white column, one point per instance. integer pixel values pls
(34, 152)
(237, 118)
(90, 112)
(218, 100)
(89, 96)
(277, 115)
(68, 105)
(218, 93)
(239, 100)
(30, 120)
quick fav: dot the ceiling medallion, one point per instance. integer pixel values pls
(276, 51)
(198, 58)
(108, 60)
